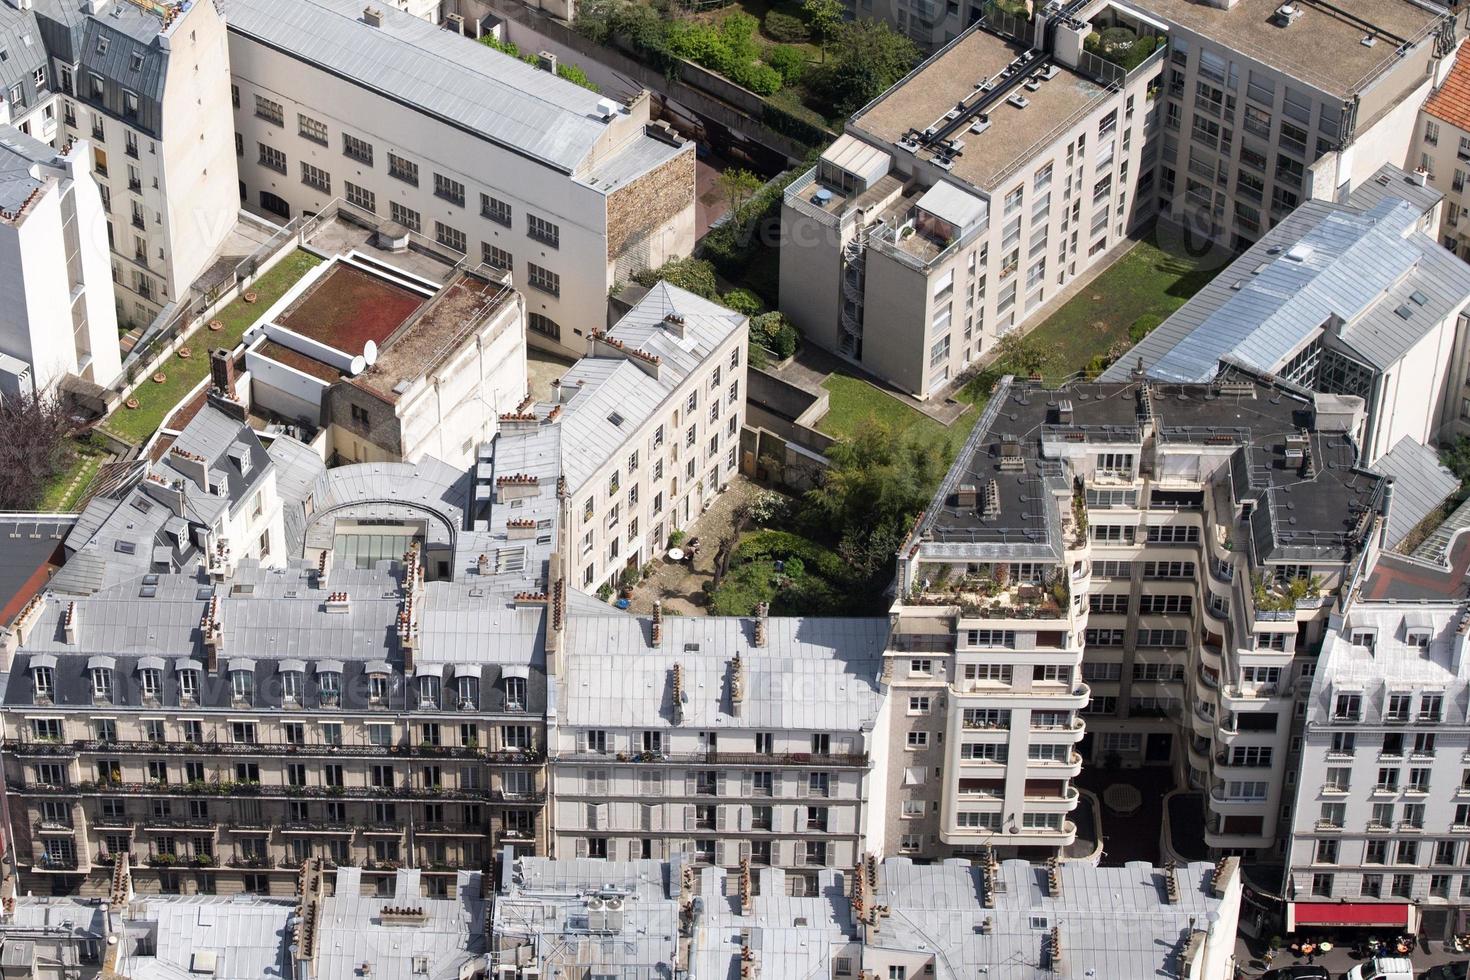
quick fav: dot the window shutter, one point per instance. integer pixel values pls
(691, 783)
(658, 816)
(688, 817)
(801, 820)
(720, 784)
(743, 817)
(747, 783)
(745, 850)
(720, 818)
(581, 847)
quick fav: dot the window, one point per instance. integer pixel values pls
(496, 257)
(401, 169)
(268, 110)
(515, 694)
(543, 325)
(543, 279)
(272, 158)
(543, 231)
(449, 237)
(316, 178)
(493, 208)
(357, 149)
(101, 683)
(44, 680)
(361, 197)
(919, 705)
(405, 216)
(918, 740)
(312, 129)
(449, 189)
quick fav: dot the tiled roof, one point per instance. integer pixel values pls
(1451, 101)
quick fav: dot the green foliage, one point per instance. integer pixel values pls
(738, 185)
(1456, 459)
(787, 61)
(1122, 47)
(1141, 327)
(866, 57)
(1017, 353)
(759, 78)
(571, 73)
(575, 75)
(695, 275)
(743, 301)
(775, 333)
(825, 18)
(784, 27)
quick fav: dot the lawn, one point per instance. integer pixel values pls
(852, 401)
(1143, 287)
(157, 400)
(65, 489)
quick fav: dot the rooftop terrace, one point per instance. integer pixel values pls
(954, 75)
(347, 307)
(1323, 46)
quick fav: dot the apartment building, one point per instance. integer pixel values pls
(650, 423)
(56, 302)
(1128, 573)
(380, 701)
(963, 200)
(465, 146)
(1442, 153)
(389, 364)
(892, 918)
(720, 738)
(1355, 300)
(147, 84)
(1383, 803)
(1268, 105)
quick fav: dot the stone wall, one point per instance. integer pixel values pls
(653, 215)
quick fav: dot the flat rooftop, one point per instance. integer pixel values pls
(951, 76)
(347, 307)
(304, 363)
(1322, 47)
(418, 349)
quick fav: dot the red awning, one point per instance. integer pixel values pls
(1350, 914)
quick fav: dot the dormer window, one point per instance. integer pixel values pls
(242, 686)
(291, 684)
(515, 694)
(188, 686)
(150, 681)
(1419, 638)
(1363, 638)
(102, 684)
(44, 679)
(329, 683)
(1349, 707)
(377, 688)
(467, 691)
(429, 692)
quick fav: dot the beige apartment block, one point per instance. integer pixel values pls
(463, 145)
(957, 205)
(1121, 574)
(1442, 154)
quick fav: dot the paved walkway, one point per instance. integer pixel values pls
(680, 585)
(1250, 957)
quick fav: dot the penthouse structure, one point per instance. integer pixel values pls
(388, 364)
(1353, 300)
(1131, 572)
(378, 702)
(146, 84)
(724, 739)
(960, 202)
(56, 303)
(1382, 805)
(460, 144)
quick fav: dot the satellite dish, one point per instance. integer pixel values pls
(370, 352)
(359, 364)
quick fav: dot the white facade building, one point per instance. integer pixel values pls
(461, 144)
(56, 303)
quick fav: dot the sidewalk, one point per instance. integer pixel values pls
(1249, 957)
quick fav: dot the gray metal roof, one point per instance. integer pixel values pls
(21, 158)
(418, 64)
(814, 673)
(1421, 484)
(1394, 182)
(1325, 264)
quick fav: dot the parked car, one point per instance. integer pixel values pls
(1297, 973)
(1448, 971)
(1382, 968)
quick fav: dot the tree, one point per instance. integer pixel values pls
(33, 447)
(738, 186)
(825, 18)
(867, 58)
(1019, 354)
(695, 275)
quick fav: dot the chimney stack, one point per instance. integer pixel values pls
(372, 16)
(656, 631)
(737, 686)
(69, 625)
(761, 611)
(222, 371)
(209, 628)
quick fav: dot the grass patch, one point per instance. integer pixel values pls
(812, 579)
(157, 401)
(65, 490)
(852, 401)
(1112, 313)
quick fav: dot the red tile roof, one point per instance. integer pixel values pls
(1451, 101)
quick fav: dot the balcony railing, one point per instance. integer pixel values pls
(273, 791)
(30, 747)
(815, 760)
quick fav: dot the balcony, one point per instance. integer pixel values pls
(981, 597)
(52, 862)
(843, 760)
(282, 791)
(31, 747)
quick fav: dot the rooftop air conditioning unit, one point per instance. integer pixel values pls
(607, 108)
(1286, 14)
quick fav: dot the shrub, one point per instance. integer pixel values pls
(695, 275)
(760, 79)
(742, 301)
(576, 76)
(787, 61)
(785, 546)
(784, 27)
(774, 331)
